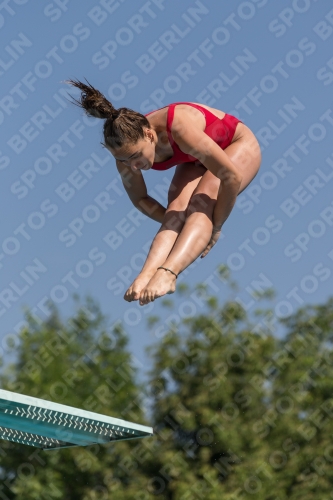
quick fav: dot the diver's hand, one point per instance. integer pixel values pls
(216, 233)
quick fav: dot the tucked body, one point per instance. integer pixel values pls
(215, 157)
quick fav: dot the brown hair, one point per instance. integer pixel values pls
(121, 125)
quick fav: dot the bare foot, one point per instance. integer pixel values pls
(133, 293)
(161, 283)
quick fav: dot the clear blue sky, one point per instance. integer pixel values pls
(268, 62)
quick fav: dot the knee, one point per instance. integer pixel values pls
(175, 205)
(174, 218)
(175, 208)
(201, 203)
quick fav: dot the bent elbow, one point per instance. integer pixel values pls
(232, 178)
(238, 179)
(140, 203)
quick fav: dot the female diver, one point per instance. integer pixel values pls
(217, 156)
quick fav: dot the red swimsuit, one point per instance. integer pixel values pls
(220, 130)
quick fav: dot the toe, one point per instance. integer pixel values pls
(142, 299)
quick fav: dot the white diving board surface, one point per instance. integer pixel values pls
(41, 423)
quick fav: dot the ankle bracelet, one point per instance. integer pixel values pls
(166, 269)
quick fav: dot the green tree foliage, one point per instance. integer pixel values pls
(84, 364)
(238, 412)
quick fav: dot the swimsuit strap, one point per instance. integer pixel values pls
(170, 115)
(210, 118)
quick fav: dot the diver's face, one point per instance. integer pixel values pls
(138, 156)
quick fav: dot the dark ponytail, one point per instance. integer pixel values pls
(121, 125)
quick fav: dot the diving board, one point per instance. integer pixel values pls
(43, 424)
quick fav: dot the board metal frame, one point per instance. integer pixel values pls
(47, 425)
